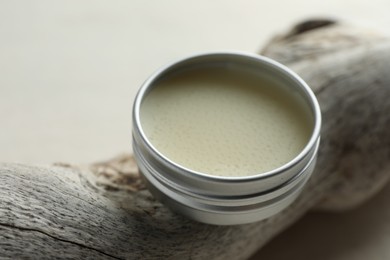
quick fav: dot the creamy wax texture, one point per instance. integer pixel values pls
(225, 122)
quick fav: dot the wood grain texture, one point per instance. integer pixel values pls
(103, 211)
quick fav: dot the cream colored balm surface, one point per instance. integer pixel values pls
(218, 121)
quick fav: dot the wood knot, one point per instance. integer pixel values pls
(309, 25)
(120, 173)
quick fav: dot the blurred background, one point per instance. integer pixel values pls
(69, 71)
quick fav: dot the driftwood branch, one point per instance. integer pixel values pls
(103, 211)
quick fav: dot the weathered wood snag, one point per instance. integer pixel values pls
(103, 211)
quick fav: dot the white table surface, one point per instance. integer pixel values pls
(69, 71)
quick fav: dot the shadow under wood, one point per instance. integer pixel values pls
(359, 234)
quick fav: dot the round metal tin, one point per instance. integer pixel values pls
(226, 200)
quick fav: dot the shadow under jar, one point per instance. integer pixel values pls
(226, 138)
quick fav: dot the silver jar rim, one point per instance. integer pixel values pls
(314, 105)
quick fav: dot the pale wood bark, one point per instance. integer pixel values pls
(103, 211)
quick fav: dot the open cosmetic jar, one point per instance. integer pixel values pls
(226, 138)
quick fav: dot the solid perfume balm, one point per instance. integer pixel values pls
(223, 121)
